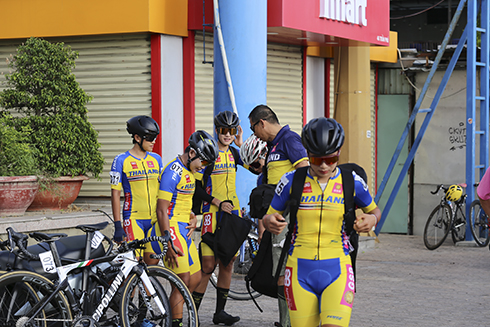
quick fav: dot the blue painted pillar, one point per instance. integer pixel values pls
(244, 29)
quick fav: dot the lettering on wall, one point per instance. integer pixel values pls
(349, 11)
(457, 136)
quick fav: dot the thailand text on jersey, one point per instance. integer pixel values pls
(138, 179)
(177, 185)
(286, 151)
(319, 232)
(221, 183)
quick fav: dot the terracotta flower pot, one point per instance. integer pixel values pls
(16, 194)
(64, 191)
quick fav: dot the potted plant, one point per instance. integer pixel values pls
(43, 90)
(18, 168)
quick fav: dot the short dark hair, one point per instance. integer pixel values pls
(263, 112)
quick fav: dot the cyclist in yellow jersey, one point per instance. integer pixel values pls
(177, 186)
(136, 173)
(319, 279)
(286, 153)
(219, 187)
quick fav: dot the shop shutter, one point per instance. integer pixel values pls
(204, 82)
(373, 126)
(115, 70)
(285, 84)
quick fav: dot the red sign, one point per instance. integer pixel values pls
(360, 20)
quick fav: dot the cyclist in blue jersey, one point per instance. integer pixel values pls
(319, 279)
(136, 173)
(177, 186)
(286, 153)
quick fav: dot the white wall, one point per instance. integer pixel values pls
(315, 87)
(172, 128)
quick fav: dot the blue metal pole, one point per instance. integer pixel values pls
(244, 30)
(422, 130)
(415, 111)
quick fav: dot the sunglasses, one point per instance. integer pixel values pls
(255, 164)
(330, 160)
(253, 126)
(150, 137)
(225, 130)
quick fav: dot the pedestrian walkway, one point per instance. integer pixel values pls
(399, 283)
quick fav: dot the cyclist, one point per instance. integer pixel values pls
(177, 185)
(286, 153)
(483, 192)
(253, 152)
(136, 172)
(219, 187)
(320, 244)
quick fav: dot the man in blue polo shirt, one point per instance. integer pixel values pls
(286, 153)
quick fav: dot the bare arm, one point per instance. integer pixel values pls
(366, 221)
(164, 224)
(116, 204)
(303, 163)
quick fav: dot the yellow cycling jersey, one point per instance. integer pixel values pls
(138, 178)
(177, 185)
(221, 182)
(286, 151)
(319, 233)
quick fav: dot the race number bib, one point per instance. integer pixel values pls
(96, 239)
(47, 261)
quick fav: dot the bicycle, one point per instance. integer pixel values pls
(447, 216)
(134, 292)
(480, 224)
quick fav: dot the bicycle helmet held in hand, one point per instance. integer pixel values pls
(252, 149)
(142, 126)
(322, 136)
(226, 119)
(204, 145)
(454, 193)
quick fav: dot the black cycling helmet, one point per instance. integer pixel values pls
(226, 119)
(205, 145)
(322, 136)
(142, 126)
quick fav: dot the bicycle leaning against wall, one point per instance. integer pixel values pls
(479, 224)
(447, 216)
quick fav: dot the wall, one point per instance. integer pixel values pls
(441, 156)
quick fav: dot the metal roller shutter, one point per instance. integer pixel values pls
(115, 70)
(204, 82)
(284, 83)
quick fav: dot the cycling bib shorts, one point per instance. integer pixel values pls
(319, 289)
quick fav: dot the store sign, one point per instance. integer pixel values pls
(359, 20)
(353, 12)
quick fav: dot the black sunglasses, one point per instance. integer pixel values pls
(150, 137)
(253, 125)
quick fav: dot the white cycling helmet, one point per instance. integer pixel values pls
(252, 149)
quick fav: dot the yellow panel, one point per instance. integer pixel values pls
(324, 52)
(47, 18)
(386, 54)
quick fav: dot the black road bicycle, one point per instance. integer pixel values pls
(446, 216)
(480, 224)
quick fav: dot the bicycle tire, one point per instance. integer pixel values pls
(437, 226)
(458, 231)
(479, 224)
(163, 280)
(14, 309)
(238, 290)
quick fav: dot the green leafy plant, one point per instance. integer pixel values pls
(43, 90)
(16, 154)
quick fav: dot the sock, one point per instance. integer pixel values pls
(177, 322)
(197, 298)
(221, 297)
(283, 307)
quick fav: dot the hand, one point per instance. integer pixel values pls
(119, 234)
(171, 257)
(226, 207)
(191, 226)
(274, 223)
(365, 223)
(238, 137)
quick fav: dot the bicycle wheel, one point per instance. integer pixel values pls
(479, 224)
(437, 226)
(20, 291)
(458, 232)
(238, 289)
(135, 305)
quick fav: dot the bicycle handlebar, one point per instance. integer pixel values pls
(437, 189)
(164, 240)
(20, 240)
